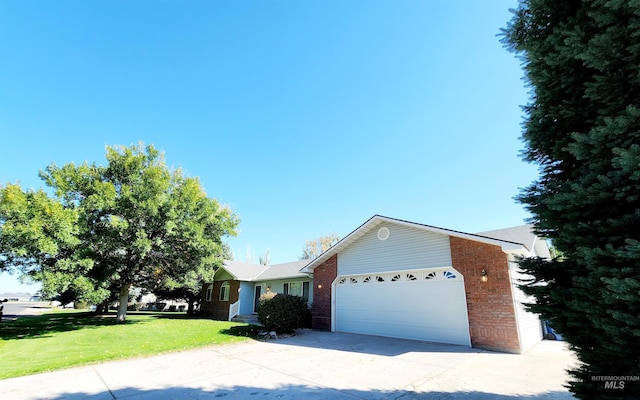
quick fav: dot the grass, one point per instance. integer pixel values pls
(65, 339)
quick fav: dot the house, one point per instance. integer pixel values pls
(403, 279)
(238, 286)
(391, 277)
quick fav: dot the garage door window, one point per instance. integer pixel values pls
(449, 275)
(408, 276)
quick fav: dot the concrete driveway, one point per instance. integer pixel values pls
(313, 365)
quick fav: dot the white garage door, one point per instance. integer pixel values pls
(424, 305)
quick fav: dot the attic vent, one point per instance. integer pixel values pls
(383, 233)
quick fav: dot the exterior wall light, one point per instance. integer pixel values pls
(484, 276)
(320, 286)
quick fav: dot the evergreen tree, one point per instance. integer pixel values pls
(582, 127)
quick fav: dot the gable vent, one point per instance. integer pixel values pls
(383, 233)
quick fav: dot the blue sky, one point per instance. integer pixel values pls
(305, 117)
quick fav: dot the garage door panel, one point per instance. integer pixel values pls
(426, 309)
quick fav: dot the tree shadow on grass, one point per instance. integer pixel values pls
(44, 325)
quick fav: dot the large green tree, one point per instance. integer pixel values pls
(188, 286)
(582, 127)
(137, 222)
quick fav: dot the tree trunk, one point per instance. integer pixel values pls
(124, 302)
(191, 300)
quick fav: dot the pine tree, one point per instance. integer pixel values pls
(582, 127)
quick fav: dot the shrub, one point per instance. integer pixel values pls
(283, 313)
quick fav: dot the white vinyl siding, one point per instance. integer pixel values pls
(406, 248)
(529, 324)
(223, 276)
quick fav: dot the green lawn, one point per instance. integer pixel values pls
(64, 339)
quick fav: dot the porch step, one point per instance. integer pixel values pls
(246, 319)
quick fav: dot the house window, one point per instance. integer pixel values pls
(224, 291)
(395, 278)
(207, 297)
(297, 289)
(430, 275)
(411, 277)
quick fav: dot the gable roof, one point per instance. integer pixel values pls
(522, 234)
(509, 245)
(255, 272)
(286, 270)
(243, 271)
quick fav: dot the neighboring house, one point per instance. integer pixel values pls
(402, 279)
(16, 296)
(238, 286)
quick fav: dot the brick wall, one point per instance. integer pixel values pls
(323, 276)
(492, 319)
(216, 309)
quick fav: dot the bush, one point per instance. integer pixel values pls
(283, 313)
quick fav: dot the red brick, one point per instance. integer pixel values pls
(323, 277)
(216, 309)
(492, 320)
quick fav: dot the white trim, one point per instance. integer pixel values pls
(255, 300)
(507, 247)
(234, 309)
(333, 304)
(224, 295)
(209, 293)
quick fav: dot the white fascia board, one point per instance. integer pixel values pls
(507, 247)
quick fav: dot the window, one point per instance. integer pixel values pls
(209, 292)
(449, 275)
(367, 279)
(430, 275)
(224, 291)
(411, 277)
(353, 280)
(379, 278)
(395, 278)
(297, 289)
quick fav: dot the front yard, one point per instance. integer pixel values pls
(67, 338)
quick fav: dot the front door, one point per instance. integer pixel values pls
(256, 299)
